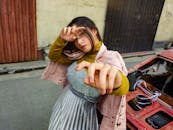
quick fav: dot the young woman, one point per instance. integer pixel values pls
(81, 62)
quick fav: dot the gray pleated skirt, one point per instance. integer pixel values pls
(73, 113)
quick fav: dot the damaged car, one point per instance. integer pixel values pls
(150, 99)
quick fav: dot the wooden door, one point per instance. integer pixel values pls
(18, 39)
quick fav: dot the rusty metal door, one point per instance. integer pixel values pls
(18, 40)
(131, 24)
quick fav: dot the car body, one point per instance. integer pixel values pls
(150, 99)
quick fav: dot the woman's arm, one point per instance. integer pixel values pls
(107, 78)
(123, 88)
(67, 34)
(55, 53)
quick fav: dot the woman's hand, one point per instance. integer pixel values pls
(105, 77)
(70, 33)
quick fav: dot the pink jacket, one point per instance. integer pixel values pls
(112, 107)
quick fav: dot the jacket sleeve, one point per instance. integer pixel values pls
(123, 88)
(55, 53)
(114, 58)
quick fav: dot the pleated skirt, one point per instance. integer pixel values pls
(72, 112)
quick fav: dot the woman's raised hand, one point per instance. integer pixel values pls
(105, 77)
(71, 33)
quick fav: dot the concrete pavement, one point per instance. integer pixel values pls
(26, 101)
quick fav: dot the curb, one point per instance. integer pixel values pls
(20, 70)
(5, 69)
(138, 54)
(20, 67)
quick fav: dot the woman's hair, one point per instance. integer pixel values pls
(83, 21)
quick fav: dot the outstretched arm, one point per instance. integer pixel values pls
(107, 78)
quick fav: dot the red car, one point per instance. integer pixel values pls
(150, 100)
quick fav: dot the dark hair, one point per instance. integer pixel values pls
(85, 22)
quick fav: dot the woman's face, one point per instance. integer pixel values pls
(83, 42)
